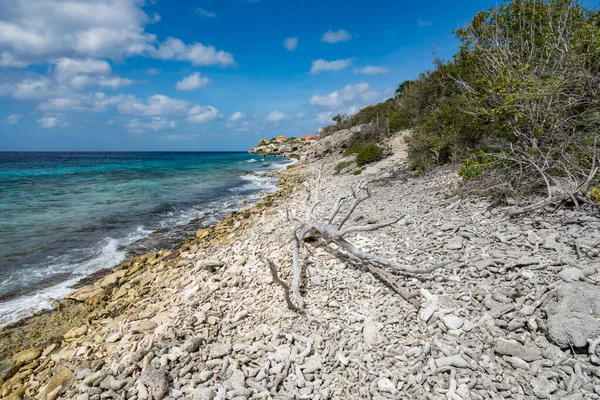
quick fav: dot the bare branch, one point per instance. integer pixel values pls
(389, 279)
(286, 289)
(357, 201)
(336, 208)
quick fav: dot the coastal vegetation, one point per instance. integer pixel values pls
(342, 164)
(517, 108)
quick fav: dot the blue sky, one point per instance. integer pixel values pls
(102, 75)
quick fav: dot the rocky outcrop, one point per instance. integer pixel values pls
(574, 315)
(334, 144)
(287, 148)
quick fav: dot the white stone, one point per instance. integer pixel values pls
(452, 322)
(571, 274)
(385, 385)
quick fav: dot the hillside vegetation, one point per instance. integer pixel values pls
(516, 108)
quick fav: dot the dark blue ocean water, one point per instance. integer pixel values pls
(64, 216)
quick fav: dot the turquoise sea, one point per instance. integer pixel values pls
(64, 216)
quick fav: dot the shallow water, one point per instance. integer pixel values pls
(64, 216)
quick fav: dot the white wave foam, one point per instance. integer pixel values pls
(108, 256)
(252, 160)
(256, 183)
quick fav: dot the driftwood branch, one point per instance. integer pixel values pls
(392, 283)
(277, 280)
(336, 233)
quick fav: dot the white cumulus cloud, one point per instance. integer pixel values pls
(92, 101)
(323, 65)
(79, 73)
(340, 97)
(199, 114)
(196, 53)
(52, 122)
(371, 70)
(238, 115)
(40, 31)
(336, 36)
(291, 43)
(275, 116)
(324, 117)
(33, 31)
(192, 82)
(155, 105)
(155, 124)
(13, 118)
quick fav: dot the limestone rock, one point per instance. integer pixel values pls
(219, 350)
(542, 387)
(574, 316)
(456, 243)
(59, 378)
(111, 383)
(452, 322)
(386, 385)
(113, 278)
(143, 326)
(202, 394)
(370, 331)
(571, 274)
(85, 293)
(76, 332)
(156, 379)
(7, 369)
(511, 348)
(191, 345)
(27, 356)
(209, 265)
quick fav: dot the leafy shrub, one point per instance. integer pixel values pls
(361, 139)
(342, 164)
(473, 167)
(594, 194)
(368, 154)
(357, 172)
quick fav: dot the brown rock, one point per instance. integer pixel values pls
(142, 326)
(113, 278)
(27, 356)
(75, 332)
(85, 293)
(7, 369)
(59, 378)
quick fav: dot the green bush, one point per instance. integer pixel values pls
(368, 154)
(474, 166)
(342, 164)
(357, 172)
(361, 139)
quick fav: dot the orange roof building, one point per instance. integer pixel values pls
(308, 137)
(281, 138)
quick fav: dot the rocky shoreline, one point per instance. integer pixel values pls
(514, 316)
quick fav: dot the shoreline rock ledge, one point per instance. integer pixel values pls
(514, 316)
